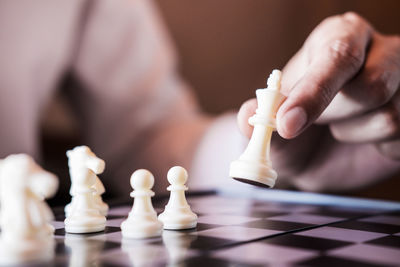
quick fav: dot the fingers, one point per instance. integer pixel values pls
(377, 126)
(293, 71)
(374, 86)
(246, 111)
(336, 51)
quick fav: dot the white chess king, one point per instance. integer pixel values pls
(254, 165)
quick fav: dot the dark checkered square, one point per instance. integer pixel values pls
(305, 242)
(328, 261)
(244, 232)
(389, 241)
(203, 261)
(369, 226)
(109, 229)
(276, 225)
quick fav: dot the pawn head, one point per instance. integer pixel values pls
(142, 179)
(177, 175)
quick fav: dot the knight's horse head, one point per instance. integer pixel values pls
(19, 171)
(82, 156)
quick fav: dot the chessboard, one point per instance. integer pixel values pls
(248, 231)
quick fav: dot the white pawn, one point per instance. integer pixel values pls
(84, 251)
(142, 220)
(84, 216)
(177, 214)
(177, 244)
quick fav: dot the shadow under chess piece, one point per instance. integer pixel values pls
(142, 220)
(177, 244)
(177, 214)
(254, 165)
(143, 252)
(84, 251)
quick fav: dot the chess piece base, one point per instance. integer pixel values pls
(136, 229)
(178, 219)
(254, 173)
(85, 229)
(85, 224)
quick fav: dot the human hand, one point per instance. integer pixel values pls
(346, 75)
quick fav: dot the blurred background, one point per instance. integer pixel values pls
(228, 47)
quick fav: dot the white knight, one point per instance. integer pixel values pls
(85, 213)
(84, 159)
(26, 233)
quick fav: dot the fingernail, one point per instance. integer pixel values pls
(293, 121)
